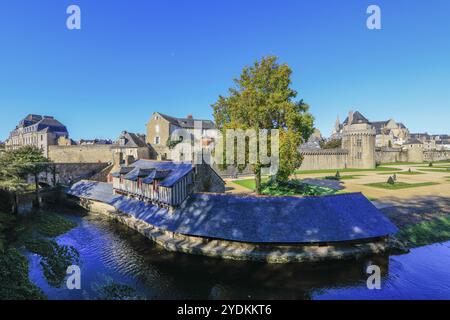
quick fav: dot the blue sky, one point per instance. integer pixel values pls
(134, 57)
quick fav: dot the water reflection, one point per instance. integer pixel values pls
(111, 253)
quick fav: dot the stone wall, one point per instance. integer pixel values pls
(435, 155)
(412, 154)
(391, 155)
(324, 159)
(67, 173)
(81, 154)
(208, 180)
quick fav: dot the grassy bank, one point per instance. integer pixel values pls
(425, 233)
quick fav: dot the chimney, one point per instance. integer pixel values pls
(190, 117)
(350, 117)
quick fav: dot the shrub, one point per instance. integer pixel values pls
(430, 164)
(391, 180)
(338, 175)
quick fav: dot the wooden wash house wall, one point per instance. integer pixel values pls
(172, 196)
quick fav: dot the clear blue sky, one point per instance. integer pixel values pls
(134, 57)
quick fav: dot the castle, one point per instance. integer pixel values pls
(357, 148)
(365, 144)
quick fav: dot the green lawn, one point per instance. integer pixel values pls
(352, 176)
(425, 233)
(401, 164)
(292, 188)
(412, 173)
(368, 197)
(399, 185)
(345, 170)
(447, 170)
(249, 183)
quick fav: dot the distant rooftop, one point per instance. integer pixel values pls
(357, 118)
(188, 122)
(38, 123)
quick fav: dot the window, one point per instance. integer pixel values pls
(359, 142)
(156, 140)
(157, 128)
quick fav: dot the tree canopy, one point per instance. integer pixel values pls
(17, 165)
(263, 99)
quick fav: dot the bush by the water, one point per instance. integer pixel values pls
(14, 281)
(55, 258)
(51, 224)
(294, 188)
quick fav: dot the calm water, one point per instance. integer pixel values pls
(111, 253)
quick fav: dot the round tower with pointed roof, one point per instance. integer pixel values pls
(358, 137)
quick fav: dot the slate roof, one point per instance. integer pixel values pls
(169, 171)
(357, 118)
(336, 218)
(188, 123)
(413, 141)
(132, 140)
(42, 124)
(136, 173)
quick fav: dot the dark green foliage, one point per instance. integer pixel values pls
(14, 281)
(430, 164)
(171, 144)
(294, 188)
(331, 144)
(337, 175)
(115, 291)
(391, 180)
(263, 100)
(51, 225)
(55, 258)
(424, 233)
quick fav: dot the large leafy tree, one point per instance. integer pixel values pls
(17, 165)
(263, 99)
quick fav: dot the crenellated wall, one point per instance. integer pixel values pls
(324, 159)
(435, 155)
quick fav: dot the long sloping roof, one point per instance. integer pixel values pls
(336, 218)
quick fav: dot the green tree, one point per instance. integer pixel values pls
(263, 99)
(331, 144)
(16, 166)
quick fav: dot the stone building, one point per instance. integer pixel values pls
(415, 149)
(164, 131)
(132, 144)
(36, 130)
(357, 151)
(390, 133)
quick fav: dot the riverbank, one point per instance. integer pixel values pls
(33, 233)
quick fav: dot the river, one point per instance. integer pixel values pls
(111, 253)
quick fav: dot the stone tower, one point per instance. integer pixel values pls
(358, 138)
